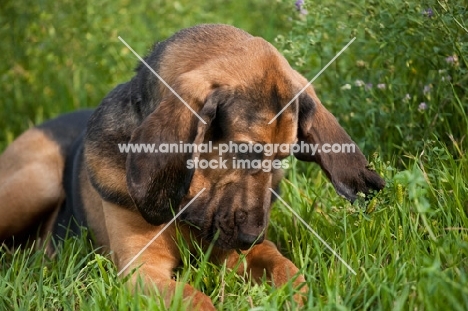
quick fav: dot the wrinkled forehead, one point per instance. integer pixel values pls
(246, 120)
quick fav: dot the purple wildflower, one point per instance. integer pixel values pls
(428, 12)
(452, 60)
(299, 4)
(368, 86)
(427, 89)
(422, 106)
(300, 7)
(381, 86)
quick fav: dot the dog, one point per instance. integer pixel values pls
(69, 172)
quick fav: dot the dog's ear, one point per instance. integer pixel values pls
(348, 169)
(158, 181)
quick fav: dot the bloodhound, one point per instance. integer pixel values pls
(69, 172)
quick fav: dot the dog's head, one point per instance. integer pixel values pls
(236, 94)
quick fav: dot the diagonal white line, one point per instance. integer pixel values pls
(162, 80)
(159, 233)
(313, 79)
(313, 231)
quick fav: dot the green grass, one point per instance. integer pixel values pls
(409, 246)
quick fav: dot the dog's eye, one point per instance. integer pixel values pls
(249, 155)
(247, 151)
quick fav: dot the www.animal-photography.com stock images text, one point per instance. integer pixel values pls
(234, 155)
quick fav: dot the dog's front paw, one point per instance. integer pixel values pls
(201, 302)
(287, 271)
(264, 259)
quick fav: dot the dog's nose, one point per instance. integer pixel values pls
(247, 240)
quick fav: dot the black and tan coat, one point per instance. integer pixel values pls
(71, 167)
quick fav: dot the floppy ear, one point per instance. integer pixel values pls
(157, 182)
(348, 171)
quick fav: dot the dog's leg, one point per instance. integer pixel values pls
(31, 170)
(265, 259)
(128, 234)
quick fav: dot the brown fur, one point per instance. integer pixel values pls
(237, 83)
(26, 172)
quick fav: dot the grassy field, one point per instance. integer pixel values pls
(400, 90)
